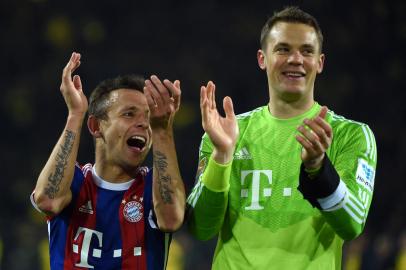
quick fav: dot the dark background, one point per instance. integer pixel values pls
(194, 41)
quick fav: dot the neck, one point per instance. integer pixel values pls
(284, 109)
(114, 173)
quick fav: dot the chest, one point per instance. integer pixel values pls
(106, 227)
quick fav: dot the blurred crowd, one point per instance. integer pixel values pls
(195, 41)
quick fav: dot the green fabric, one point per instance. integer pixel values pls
(263, 221)
(216, 177)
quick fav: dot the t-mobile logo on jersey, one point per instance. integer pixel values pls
(84, 252)
(255, 187)
(96, 252)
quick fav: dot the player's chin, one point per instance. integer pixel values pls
(293, 94)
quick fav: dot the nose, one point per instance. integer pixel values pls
(143, 121)
(295, 58)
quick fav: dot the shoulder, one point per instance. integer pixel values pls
(81, 173)
(243, 117)
(352, 133)
(341, 124)
(84, 169)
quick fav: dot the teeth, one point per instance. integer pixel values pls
(294, 74)
(138, 138)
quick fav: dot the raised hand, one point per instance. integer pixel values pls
(316, 136)
(71, 88)
(163, 101)
(222, 131)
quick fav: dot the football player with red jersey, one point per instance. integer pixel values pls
(114, 213)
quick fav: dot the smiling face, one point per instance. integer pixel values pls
(124, 136)
(292, 59)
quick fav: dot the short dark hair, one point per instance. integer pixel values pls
(98, 102)
(291, 14)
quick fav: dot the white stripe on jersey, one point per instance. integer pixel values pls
(370, 139)
(356, 205)
(194, 196)
(352, 206)
(351, 213)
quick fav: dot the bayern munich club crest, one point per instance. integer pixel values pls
(133, 211)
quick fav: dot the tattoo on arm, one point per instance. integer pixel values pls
(54, 180)
(164, 179)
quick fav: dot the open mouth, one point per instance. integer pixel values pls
(136, 141)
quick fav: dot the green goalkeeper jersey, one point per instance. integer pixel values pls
(267, 212)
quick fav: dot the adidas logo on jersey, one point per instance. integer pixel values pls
(242, 154)
(86, 208)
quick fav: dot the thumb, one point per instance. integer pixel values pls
(177, 84)
(77, 82)
(323, 112)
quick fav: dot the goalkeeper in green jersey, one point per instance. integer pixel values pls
(286, 184)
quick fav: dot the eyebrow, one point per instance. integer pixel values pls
(133, 108)
(284, 44)
(308, 46)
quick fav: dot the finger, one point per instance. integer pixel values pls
(212, 95)
(313, 139)
(323, 112)
(209, 95)
(204, 105)
(174, 88)
(228, 107)
(323, 139)
(307, 133)
(310, 151)
(307, 146)
(325, 126)
(67, 71)
(162, 90)
(177, 84)
(203, 93)
(154, 93)
(77, 83)
(315, 128)
(150, 100)
(76, 61)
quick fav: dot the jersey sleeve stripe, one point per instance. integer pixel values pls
(351, 213)
(368, 152)
(357, 205)
(151, 220)
(351, 208)
(196, 194)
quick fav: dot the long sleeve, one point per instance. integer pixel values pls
(209, 198)
(343, 188)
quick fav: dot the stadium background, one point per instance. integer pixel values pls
(194, 41)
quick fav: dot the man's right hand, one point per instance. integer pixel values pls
(71, 88)
(222, 131)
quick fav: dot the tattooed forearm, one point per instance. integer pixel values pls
(62, 156)
(164, 179)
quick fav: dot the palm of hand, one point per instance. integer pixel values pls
(71, 88)
(223, 132)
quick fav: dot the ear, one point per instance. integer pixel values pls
(322, 57)
(261, 59)
(93, 124)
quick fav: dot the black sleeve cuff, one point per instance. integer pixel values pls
(323, 185)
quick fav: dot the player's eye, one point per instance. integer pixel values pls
(128, 114)
(282, 50)
(307, 52)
